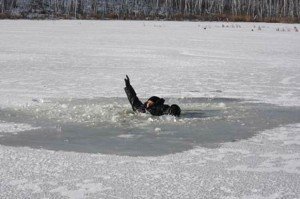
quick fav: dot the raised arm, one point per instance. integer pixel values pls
(136, 104)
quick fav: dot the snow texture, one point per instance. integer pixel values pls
(88, 59)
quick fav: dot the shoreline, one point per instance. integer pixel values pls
(188, 18)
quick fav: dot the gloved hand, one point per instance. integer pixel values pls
(127, 81)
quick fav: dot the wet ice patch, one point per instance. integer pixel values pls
(108, 125)
(81, 190)
(127, 136)
(14, 128)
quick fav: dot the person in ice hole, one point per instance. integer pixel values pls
(154, 105)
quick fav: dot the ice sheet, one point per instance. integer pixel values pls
(85, 59)
(88, 59)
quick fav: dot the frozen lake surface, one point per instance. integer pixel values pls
(62, 94)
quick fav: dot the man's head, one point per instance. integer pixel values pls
(174, 110)
(152, 101)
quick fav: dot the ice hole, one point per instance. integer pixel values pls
(109, 126)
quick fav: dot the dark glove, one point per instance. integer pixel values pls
(127, 81)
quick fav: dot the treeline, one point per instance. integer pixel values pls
(220, 10)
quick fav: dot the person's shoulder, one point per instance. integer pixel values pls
(166, 107)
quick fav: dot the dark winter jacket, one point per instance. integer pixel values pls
(158, 109)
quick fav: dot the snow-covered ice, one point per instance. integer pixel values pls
(42, 61)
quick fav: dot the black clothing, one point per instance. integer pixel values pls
(136, 104)
(159, 108)
(154, 99)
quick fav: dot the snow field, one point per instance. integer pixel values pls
(89, 59)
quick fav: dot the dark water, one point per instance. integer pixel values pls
(108, 126)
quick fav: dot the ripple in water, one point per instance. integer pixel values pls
(108, 125)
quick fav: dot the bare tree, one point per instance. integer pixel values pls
(254, 9)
